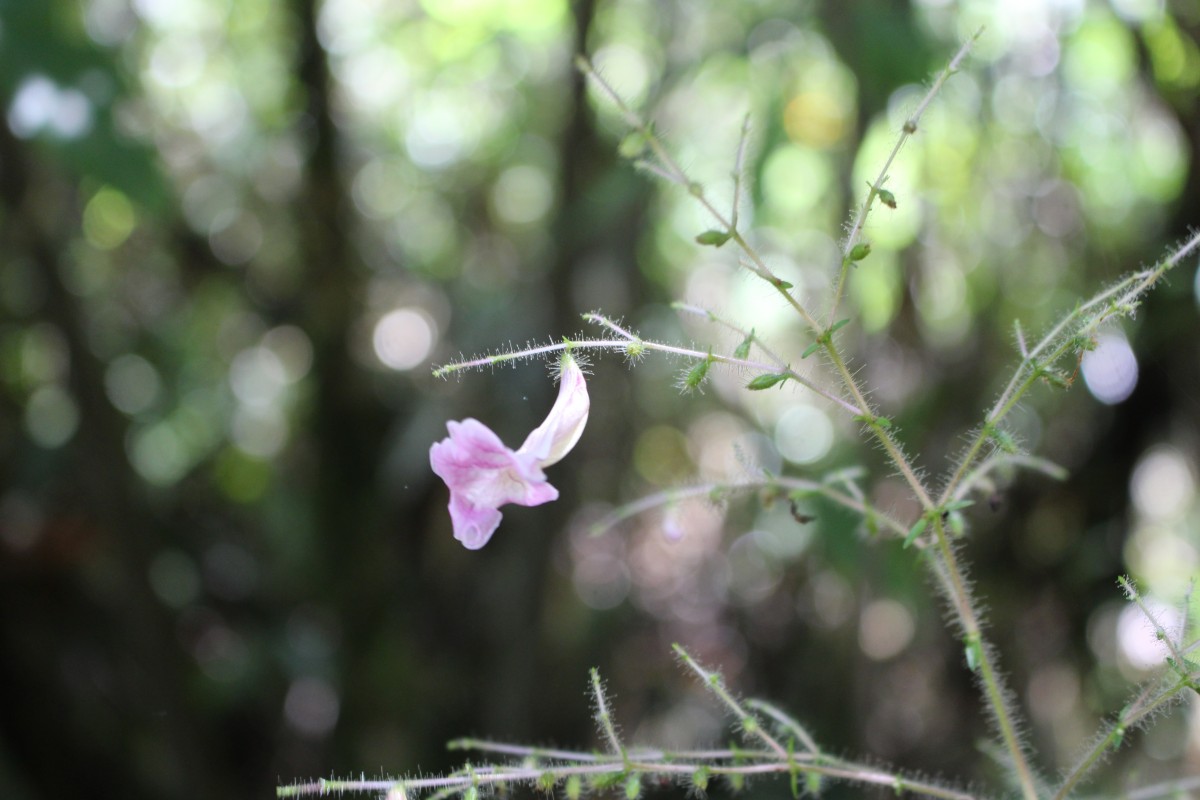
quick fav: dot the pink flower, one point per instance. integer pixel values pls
(483, 474)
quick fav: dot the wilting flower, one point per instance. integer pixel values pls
(483, 474)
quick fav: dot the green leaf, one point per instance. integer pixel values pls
(632, 146)
(916, 530)
(607, 780)
(1003, 439)
(713, 238)
(696, 375)
(860, 251)
(837, 326)
(766, 381)
(782, 284)
(974, 652)
(743, 349)
(808, 351)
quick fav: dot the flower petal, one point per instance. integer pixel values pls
(473, 525)
(482, 475)
(555, 437)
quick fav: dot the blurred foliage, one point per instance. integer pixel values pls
(236, 236)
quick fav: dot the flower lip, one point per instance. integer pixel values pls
(483, 474)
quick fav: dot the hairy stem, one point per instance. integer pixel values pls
(909, 128)
(1117, 299)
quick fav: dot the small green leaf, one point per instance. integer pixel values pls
(973, 650)
(607, 780)
(632, 146)
(766, 381)
(743, 349)
(782, 284)
(696, 375)
(574, 788)
(957, 504)
(714, 238)
(808, 351)
(633, 787)
(916, 530)
(860, 251)
(547, 781)
(1003, 439)
(700, 779)
(837, 326)
(812, 782)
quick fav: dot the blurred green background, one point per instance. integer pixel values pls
(236, 236)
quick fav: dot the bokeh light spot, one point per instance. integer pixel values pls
(522, 195)
(292, 347)
(794, 179)
(40, 105)
(242, 477)
(260, 431)
(311, 706)
(108, 219)
(51, 416)
(443, 130)
(884, 629)
(1111, 370)
(1162, 485)
(158, 454)
(803, 434)
(131, 383)
(815, 118)
(235, 237)
(404, 338)
(257, 376)
(660, 455)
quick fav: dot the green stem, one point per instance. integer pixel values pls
(956, 585)
(1096, 311)
(1129, 717)
(909, 128)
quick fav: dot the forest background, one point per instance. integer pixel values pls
(235, 237)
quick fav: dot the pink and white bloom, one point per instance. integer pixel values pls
(483, 474)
